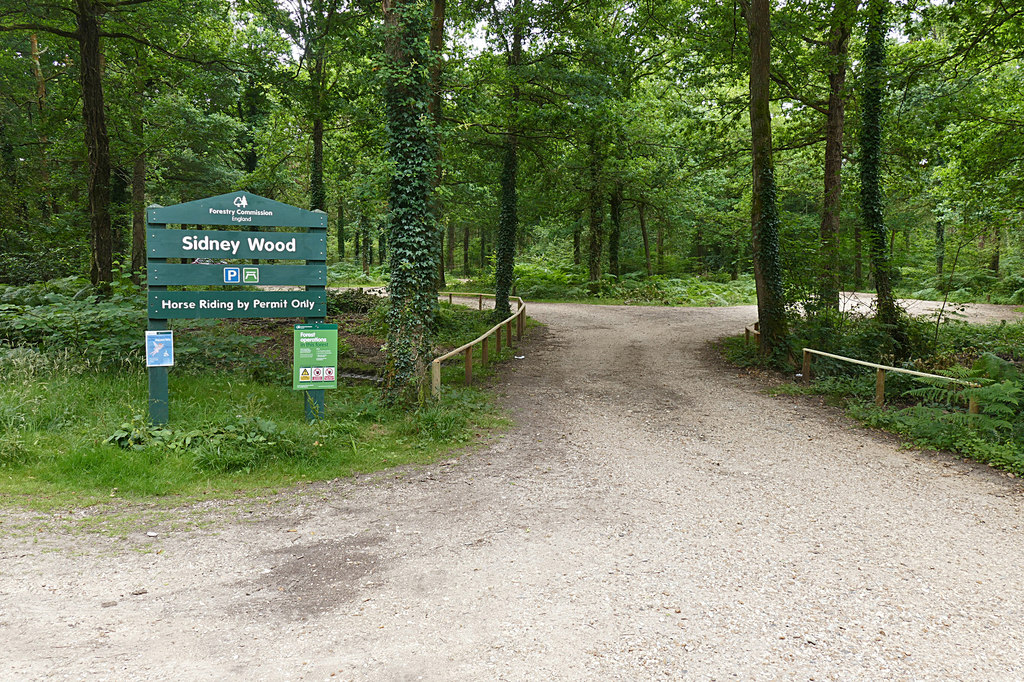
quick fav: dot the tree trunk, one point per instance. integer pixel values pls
(317, 192)
(436, 43)
(508, 222)
(577, 235)
(483, 247)
(616, 231)
(764, 219)
(700, 250)
(138, 213)
(508, 219)
(440, 260)
(595, 213)
(450, 255)
(364, 237)
(341, 228)
(872, 91)
(642, 209)
(412, 231)
(997, 238)
(47, 203)
(97, 141)
(940, 247)
(858, 258)
(465, 249)
(838, 42)
(659, 244)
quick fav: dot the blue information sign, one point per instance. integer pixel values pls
(160, 348)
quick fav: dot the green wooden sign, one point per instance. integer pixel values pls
(225, 244)
(231, 248)
(171, 305)
(239, 209)
(214, 274)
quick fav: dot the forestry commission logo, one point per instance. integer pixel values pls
(241, 202)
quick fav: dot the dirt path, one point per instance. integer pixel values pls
(651, 516)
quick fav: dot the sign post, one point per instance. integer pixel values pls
(206, 255)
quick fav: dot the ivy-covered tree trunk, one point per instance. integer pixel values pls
(642, 210)
(615, 205)
(764, 218)
(412, 227)
(508, 223)
(508, 219)
(828, 255)
(436, 44)
(341, 227)
(595, 212)
(97, 141)
(871, 202)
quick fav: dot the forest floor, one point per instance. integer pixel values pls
(651, 515)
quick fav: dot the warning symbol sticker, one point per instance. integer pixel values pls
(318, 374)
(304, 374)
(328, 374)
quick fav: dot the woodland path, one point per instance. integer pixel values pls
(651, 515)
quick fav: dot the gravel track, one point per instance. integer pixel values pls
(652, 515)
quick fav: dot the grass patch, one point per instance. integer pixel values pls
(226, 437)
(73, 432)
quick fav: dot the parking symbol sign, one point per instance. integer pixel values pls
(232, 275)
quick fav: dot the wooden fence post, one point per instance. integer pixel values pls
(880, 387)
(746, 333)
(807, 367)
(497, 343)
(972, 405)
(435, 378)
(449, 299)
(469, 365)
(483, 353)
(508, 334)
(480, 302)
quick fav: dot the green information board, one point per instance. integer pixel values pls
(224, 258)
(315, 357)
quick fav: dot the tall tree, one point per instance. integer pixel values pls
(871, 200)
(764, 215)
(508, 220)
(838, 41)
(412, 227)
